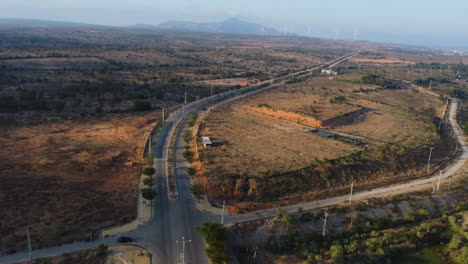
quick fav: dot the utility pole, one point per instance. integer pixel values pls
(324, 227)
(185, 98)
(222, 214)
(351, 193)
(29, 244)
(149, 144)
(182, 256)
(438, 182)
(141, 208)
(429, 160)
(163, 117)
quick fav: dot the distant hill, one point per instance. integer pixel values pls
(36, 23)
(229, 26)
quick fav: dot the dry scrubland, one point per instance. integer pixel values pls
(269, 154)
(64, 92)
(67, 179)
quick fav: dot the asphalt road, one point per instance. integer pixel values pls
(176, 218)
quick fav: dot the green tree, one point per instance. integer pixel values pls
(215, 238)
(463, 257)
(198, 191)
(287, 219)
(337, 254)
(149, 171)
(454, 242)
(148, 193)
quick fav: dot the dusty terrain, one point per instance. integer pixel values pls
(268, 151)
(67, 179)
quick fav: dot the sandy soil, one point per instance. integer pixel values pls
(66, 179)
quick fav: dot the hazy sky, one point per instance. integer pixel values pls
(440, 23)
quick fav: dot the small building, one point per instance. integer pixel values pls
(329, 72)
(207, 142)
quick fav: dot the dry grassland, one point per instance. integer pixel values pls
(66, 179)
(265, 137)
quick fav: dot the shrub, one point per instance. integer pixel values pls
(198, 190)
(462, 206)
(215, 238)
(192, 120)
(423, 213)
(148, 193)
(339, 99)
(287, 219)
(264, 105)
(188, 155)
(102, 250)
(149, 171)
(337, 254)
(454, 242)
(188, 136)
(383, 222)
(191, 170)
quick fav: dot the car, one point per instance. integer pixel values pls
(124, 240)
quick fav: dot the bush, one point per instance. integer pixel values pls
(148, 193)
(383, 222)
(287, 219)
(188, 155)
(215, 238)
(102, 250)
(191, 171)
(149, 171)
(339, 99)
(141, 105)
(198, 191)
(462, 206)
(192, 120)
(423, 213)
(188, 136)
(337, 254)
(264, 105)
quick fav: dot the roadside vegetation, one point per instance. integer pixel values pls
(215, 236)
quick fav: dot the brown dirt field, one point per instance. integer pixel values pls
(381, 61)
(66, 179)
(255, 144)
(224, 82)
(266, 145)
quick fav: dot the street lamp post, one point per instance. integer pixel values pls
(182, 256)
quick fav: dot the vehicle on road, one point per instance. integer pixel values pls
(124, 239)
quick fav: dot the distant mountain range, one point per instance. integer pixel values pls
(229, 26)
(37, 23)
